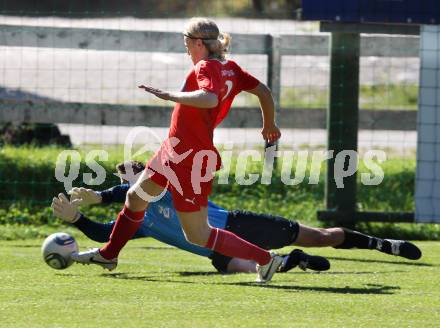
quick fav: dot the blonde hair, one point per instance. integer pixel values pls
(206, 29)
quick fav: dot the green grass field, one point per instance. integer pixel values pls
(159, 286)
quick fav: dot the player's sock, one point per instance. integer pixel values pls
(126, 225)
(229, 244)
(384, 246)
(304, 260)
(355, 239)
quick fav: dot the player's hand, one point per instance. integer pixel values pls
(271, 133)
(157, 92)
(65, 209)
(83, 196)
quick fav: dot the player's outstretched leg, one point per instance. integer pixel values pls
(198, 231)
(355, 239)
(304, 261)
(128, 222)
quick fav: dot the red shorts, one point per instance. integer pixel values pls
(187, 196)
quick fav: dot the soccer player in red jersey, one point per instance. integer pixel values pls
(187, 160)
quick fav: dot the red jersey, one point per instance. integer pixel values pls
(193, 126)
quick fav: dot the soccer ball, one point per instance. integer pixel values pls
(57, 250)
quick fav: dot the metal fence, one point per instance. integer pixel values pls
(274, 47)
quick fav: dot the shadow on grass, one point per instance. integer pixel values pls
(380, 261)
(24, 246)
(346, 272)
(155, 248)
(369, 289)
(200, 273)
(293, 272)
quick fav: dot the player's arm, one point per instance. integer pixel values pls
(198, 98)
(67, 210)
(83, 196)
(270, 130)
(116, 194)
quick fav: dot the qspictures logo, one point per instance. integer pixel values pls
(297, 166)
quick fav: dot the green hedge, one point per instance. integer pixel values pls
(27, 185)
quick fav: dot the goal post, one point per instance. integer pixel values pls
(346, 20)
(427, 193)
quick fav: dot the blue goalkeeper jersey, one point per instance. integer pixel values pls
(161, 221)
